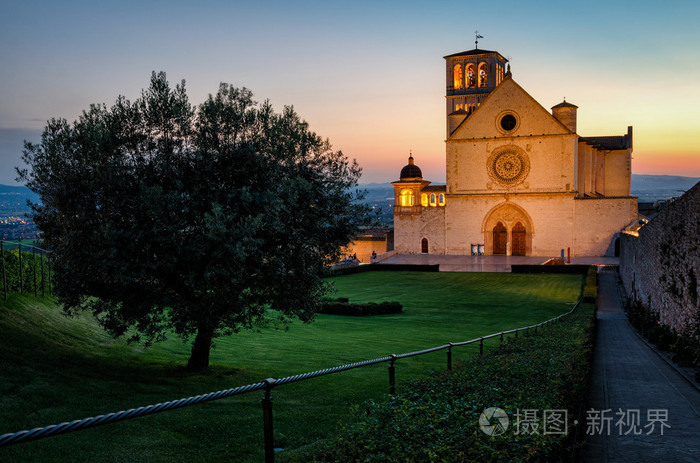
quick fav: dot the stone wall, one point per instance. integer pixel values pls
(661, 266)
(410, 229)
(597, 223)
(376, 240)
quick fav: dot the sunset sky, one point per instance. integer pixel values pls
(368, 75)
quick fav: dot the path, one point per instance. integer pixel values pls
(629, 376)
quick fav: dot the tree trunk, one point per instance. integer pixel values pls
(199, 358)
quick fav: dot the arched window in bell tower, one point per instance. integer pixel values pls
(483, 75)
(471, 76)
(458, 76)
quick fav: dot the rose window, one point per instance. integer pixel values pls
(508, 167)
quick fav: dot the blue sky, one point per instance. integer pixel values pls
(367, 75)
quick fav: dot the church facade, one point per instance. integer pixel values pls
(519, 179)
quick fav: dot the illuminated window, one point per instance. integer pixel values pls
(406, 198)
(471, 76)
(424, 200)
(441, 199)
(432, 199)
(458, 107)
(458, 76)
(483, 75)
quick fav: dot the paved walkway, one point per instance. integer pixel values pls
(629, 376)
(454, 263)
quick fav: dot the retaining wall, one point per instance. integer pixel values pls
(661, 266)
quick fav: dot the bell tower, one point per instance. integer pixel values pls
(471, 76)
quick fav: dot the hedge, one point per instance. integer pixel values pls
(339, 271)
(566, 268)
(341, 306)
(437, 419)
(590, 289)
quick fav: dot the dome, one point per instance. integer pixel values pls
(410, 170)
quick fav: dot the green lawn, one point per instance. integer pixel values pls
(55, 369)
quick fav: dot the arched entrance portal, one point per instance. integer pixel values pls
(500, 238)
(519, 236)
(424, 246)
(508, 227)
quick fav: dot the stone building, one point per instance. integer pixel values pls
(369, 242)
(520, 180)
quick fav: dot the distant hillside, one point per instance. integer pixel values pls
(9, 190)
(654, 187)
(652, 182)
(13, 200)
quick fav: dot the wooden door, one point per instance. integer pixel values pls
(500, 236)
(519, 235)
(424, 246)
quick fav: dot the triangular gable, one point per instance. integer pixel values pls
(509, 96)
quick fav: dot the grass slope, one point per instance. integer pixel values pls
(55, 369)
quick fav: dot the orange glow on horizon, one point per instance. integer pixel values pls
(653, 163)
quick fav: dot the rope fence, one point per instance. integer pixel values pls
(266, 385)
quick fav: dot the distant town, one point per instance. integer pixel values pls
(653, 191)
(15, 223)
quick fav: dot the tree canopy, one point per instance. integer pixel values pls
(163, 217)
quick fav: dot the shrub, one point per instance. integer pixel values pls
(687, 351)
(341, 306)
(685, 346)
(590, 289)
(437, 418)
(349, 270)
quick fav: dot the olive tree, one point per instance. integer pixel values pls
(165, 218)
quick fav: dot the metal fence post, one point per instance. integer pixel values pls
(48, 274)
(481, 346)
(21, 277)
(34, 266)
(4, 274)
(501, 336)
(267, 421)
(43, 281)
(516, 332)
(449, 357)
(392, 375)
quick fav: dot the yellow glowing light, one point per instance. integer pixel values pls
(458, 76)
(424, 200)
(406, 198)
